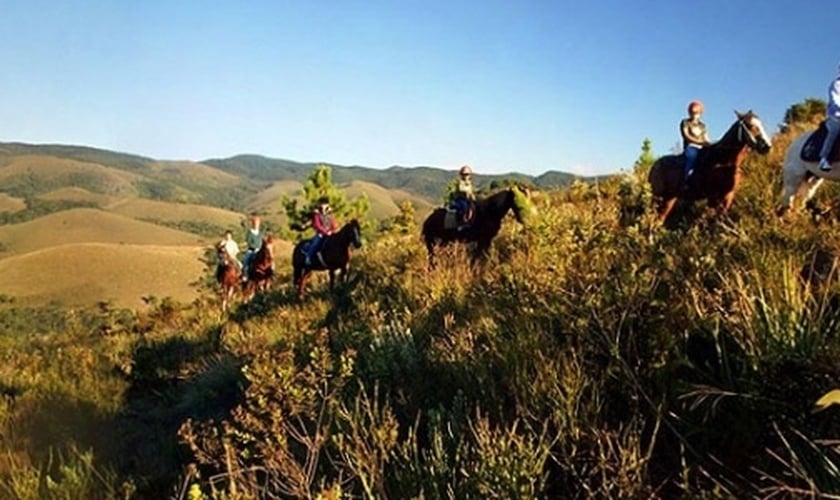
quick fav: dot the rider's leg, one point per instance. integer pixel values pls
(690, 159)
(833, 126)
(246, 264)
(313, 248)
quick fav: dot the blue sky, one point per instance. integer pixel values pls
(504, 86)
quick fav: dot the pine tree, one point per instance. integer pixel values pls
(645, 160)
(319, 185)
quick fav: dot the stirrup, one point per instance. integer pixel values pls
(825, 166)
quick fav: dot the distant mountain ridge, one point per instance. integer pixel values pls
(429, 182)
(256, 170)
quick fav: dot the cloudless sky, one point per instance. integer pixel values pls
(501, 85)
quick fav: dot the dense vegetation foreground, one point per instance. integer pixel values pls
(594, 354)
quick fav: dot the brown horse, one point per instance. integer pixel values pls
(717, 171)
(334, 255)
(261, 269)
(227, 275)
(486, 223)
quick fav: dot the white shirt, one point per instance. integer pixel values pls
(230, 247)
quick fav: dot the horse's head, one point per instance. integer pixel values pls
(355, 233)
(268, 244)
(751, 132)
(520, 196)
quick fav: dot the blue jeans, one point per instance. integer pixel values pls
(461, 205)
(833, 126)
(314, 246)
(691, 154)
(246, 260)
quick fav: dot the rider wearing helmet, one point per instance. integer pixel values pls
(832, 122)
(462, 196)
(324, 225)
(694, 136)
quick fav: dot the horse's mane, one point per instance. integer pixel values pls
(499, 201)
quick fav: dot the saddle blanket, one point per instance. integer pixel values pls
(450, 219)
(811, 148)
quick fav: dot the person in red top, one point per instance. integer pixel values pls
(324, 224)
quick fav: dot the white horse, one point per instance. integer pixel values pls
(801, 178)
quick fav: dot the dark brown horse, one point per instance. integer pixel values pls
(334, 255)
(227, 275)
(717, 170)
(261, 269)
(486, 223)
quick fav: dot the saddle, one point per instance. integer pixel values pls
(318, 257)
(452, 219)
(812, 147)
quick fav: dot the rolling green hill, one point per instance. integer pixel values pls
(87, 225)
(83, 274)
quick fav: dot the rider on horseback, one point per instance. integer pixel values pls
(253, 238)
(462, 197)
(227, 248)
(832, 122)
(324, 225)
(695, 137)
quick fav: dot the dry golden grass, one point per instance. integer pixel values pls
(140, 208)
(269, 200)
(10, 203)
(86, 225)
(86, 273)
(72, 193)
(52, 168)
(187, 170)
(385, 202)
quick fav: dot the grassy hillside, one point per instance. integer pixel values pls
(10, 203)
(269, 200)
(25, 176)
(178, 214)
(385, 202)
(594, 355)
(78, 194)
(83, 274)
(86, 225)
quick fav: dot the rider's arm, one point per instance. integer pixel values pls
(834, 97)
(689, 137)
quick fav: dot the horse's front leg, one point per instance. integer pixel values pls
(301, 284)
(664, 207)
(430, 248)
(721, 205)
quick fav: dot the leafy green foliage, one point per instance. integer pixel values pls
(808, 112)
(593, 355)
(319, 185)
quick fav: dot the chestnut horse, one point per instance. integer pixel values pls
(261, 269)
(717, 171)
(486, 223)
(334, 255)
(227, 275)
